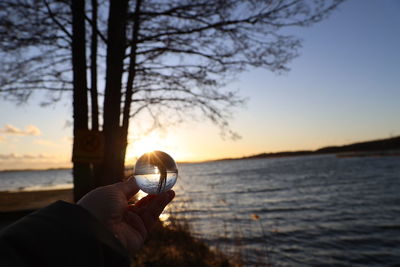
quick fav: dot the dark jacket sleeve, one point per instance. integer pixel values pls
(61, 234)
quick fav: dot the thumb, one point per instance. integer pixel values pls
(129, 187)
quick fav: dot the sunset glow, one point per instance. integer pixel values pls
(143, 145)
(151, 142)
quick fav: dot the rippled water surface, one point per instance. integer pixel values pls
(315, 210)
(299, 211)
(35, 180)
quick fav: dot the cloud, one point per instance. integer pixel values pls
(32, 130)
(29, 130)
(13, 156)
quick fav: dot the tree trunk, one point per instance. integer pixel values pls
(81, 171)
(131, 77)
(93, 69)
(112, 166)
(93, 80)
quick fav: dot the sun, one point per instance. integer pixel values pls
(155, 140)
(145, 144)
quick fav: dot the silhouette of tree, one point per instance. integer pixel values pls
(164, 58)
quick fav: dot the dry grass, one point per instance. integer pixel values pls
(174, 245)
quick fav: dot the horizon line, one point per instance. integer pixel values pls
(222, 159)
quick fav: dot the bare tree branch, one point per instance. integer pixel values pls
(102, 37)
(51, 14)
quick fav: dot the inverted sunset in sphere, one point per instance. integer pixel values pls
(155, 172)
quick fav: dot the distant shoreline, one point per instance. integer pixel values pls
(379, 147)
(28, 169)
(352, 154)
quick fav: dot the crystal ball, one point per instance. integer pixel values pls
(155, 172)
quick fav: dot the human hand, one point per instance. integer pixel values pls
(129, 223)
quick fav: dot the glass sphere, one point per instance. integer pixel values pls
(155, 172)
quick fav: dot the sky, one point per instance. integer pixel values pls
(344, 87)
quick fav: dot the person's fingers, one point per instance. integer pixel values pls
(150, 212)
(134, 220)
(129, 188)
(156, 206)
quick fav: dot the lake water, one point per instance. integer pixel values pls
(299, 211)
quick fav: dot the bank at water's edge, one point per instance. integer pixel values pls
(17, 201)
